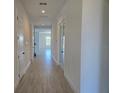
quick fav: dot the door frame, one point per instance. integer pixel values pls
(61, 22)
(20, 53)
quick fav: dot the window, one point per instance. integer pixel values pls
(48, 41)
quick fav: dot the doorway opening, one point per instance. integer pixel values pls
(61, 43)
(20, 52)
(42, 40)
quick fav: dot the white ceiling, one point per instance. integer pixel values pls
(34, 9)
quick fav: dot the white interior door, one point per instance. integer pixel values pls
(21, 53)
(32, 44)
(62, 45)
(36, 42)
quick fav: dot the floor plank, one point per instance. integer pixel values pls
(44, 76)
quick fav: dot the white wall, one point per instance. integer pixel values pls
(86, 45)
(54, 42)
(20, 11)
(104, 66)
(95, 47)
(72, 13)
(72, 43)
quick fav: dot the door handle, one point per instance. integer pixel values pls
(23, 52)
(62, 51)
(34, 44)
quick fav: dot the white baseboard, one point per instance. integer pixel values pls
(24, 71)
(70, 83)
(26, 67)
(16, 83)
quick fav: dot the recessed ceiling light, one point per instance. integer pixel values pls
(43, 11)
(42, 24)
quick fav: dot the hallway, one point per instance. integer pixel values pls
(74, 57)
(43, 76)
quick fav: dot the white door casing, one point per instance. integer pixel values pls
(61, 43)
(20, 47)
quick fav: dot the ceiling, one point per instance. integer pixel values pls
(34, 9)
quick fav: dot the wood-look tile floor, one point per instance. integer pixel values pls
(44, 76)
